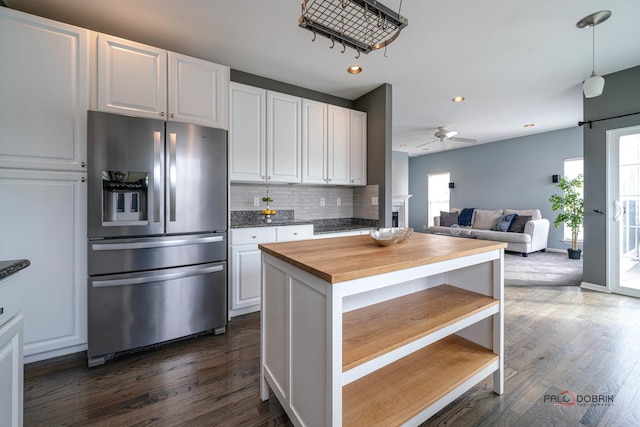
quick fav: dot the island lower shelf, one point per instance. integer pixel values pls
(389, 326)
(403, 390)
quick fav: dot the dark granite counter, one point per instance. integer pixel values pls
(7, 268)
(271, 224)
(248, 219)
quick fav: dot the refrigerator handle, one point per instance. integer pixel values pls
(153, 277)
(155, 244)
(172, 176)
(157, 175)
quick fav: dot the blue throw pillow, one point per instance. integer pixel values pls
(465, 217)
(504, 222)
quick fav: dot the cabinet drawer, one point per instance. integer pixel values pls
(242, 236)
(10, 293)
(294, 232)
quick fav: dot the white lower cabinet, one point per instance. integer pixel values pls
(244, 294)
(43, 219)
(11, 372)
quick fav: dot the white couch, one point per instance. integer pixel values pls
(533, 238)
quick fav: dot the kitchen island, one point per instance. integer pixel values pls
(357, 334)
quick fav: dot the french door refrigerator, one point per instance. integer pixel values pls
(157, 227)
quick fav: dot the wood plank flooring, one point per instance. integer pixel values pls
(556, 339)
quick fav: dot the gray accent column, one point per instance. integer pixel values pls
(621, 96)
(378, 105)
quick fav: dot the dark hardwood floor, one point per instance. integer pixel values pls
(556, 339)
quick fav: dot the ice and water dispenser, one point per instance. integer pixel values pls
(124, 198)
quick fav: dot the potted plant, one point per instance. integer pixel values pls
(571, 205)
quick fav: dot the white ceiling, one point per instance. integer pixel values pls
(515, 61)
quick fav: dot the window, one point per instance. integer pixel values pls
(572, 168)
(438, 194)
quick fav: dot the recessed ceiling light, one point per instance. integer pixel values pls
(458, 99)
(529, 125)
(354, 69)
(403, 145)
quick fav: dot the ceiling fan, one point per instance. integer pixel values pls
(443, 134)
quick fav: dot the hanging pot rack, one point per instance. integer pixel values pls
(363, 25)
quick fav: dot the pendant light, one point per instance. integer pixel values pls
(594, 85)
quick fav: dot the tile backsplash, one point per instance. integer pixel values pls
(306, 200)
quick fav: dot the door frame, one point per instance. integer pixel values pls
(612, 230)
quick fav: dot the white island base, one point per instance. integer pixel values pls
(389, 341)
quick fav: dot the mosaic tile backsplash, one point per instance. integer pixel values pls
(305, 200)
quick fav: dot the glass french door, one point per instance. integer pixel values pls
(623, 212)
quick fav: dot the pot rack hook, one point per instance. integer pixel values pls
(343, 47)
(385, 51)
(333, 42)
(358, 51)
(314, 34)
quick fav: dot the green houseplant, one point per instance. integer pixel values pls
(571, 206)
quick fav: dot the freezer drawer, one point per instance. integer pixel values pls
(129, 311)
(111, 256)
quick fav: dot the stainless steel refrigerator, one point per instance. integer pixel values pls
(157, 227)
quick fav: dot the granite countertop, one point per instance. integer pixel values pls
(249, 219)
(272, 224)
(7, 268)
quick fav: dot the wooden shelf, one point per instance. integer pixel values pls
(400, 391)
(373, 331)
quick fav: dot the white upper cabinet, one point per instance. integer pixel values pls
(358, 148)
(264, 136)
(284, 131)
(314, 142)
(145, 81)
(247, 133)
(198, 91)
(44, 93)
(132, 78)
(334, 145)
(339, 152)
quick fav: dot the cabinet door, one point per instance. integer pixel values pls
(247, 134)
(11, 373)
(314, 142)
(43, 219)
(132, 78)
(358, 143)
(338, 146)
(44, 93)
(198, 91)
(284, 145)
(245, 278)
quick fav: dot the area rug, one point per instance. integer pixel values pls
(542, 269)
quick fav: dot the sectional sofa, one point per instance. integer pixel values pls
(524, 230)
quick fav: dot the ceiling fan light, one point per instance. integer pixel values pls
(450, 134)
(593, 86)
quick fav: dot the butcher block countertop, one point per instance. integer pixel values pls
(346, 258)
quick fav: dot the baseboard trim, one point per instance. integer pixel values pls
(594, 287)
(560, 251)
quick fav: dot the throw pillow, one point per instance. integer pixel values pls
(447, 219)
(517, 225)
(486, 219)
(503, 223)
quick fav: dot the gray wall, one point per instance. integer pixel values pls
(621, 96)
(277, 86)
(377, 104)
(400, 173)
(514, 173)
